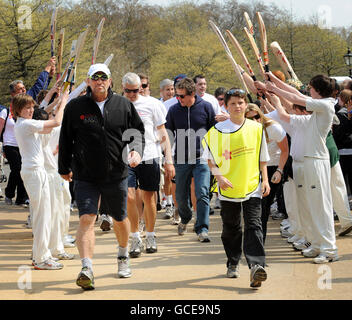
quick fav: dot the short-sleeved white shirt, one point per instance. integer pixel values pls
(29, 142)
(153, 115)
(276, 134)
(213, 101)
(50, 162)
(228, 126)
(170, 102)
(9, 138)
(316, 127)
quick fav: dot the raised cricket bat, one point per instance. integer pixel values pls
(97, 38)
(283, 61)
(232, 60)
(242, 54)
(60, 48)
(264, 41)
(249, 23)
(256, 50)
(52, 32)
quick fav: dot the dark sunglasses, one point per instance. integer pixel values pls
(182, 96)
(96, 77)
(220, 99)
(257, 117)
(130, 90)
(145, 85)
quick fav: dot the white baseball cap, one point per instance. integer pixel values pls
(98, 67)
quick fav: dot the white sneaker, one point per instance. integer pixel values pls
(64, 256)
(163, 203)
(285, 222)
(175, 221)
(301, 245)
(48, 264)
(124, 270)
(286, 234)
(345, 230)
(29, 222)
(136, 247)
(150, 244)
(293, 239)
(169, 212)
(106, 222)
(324, 258)
(310, 252)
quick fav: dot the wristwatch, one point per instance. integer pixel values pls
(279, 170)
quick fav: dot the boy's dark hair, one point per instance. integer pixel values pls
(19, 102)
(41, 95)
(187, 84)
(235, 92)
(219, 91)
(198, 76)
(322, 85)
(297, 106)
(40, 114)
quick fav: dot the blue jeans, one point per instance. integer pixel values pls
(201, 174)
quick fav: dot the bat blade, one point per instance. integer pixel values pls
(264, 41)
(256, 50)
(97, 40)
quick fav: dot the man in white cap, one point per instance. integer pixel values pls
(92, 152)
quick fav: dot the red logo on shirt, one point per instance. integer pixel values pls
(227, 155)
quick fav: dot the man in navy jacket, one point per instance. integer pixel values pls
(189, 120)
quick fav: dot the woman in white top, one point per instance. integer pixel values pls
(278, 150)
(34, 175)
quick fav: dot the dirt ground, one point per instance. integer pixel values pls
(182, 269)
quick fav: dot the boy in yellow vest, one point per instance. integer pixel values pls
(237, 156)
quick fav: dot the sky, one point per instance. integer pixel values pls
(338, 13)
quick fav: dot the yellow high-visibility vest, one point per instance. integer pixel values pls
(237, 156)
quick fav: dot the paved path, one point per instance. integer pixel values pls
(183, 268)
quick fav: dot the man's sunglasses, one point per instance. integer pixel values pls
(257, 117)
(130, 90)
(96, 77)
(182, 96)
(220, 99)
(145, 85)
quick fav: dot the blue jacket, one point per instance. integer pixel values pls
(188, 126)
(41, 84)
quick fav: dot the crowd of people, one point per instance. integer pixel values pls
(126, 155)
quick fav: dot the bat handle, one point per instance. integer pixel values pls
(266, 68)
(254, 78)
(249, 98)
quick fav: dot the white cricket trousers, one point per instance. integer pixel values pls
(56, 245)
(317, 185)
(67, 205)
(37, 186)
(339, 196)
(304, 218)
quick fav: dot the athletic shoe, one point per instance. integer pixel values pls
(278, 216)
(345, 230)
(233, 271)
(68, 244)
(8, 201)
(181, 229)
(217, 203)
(150, 244)
(310, 252)
(257, 276)
(124, 270)
(175, 221)
(169, 212)
(286, 234)
(69, 238)
(136, 247)
(85, 279)
(293, 239)
(324, 258)
(211, 211)
(163, 203)
(64, 256)
(203, 236)
(106, 222)
(48, 264)
(301, 245)
(285, 222)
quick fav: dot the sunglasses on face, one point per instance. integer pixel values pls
(181, 96)
(235, 91)
(257, 117)
(96, 77)
(220, 99)
(145, 85)
(130, 90)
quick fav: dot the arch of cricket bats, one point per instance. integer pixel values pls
(262, 63)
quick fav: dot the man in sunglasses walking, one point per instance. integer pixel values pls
(189, 120)
(95, 132)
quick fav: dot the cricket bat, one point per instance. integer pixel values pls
(60, 49)
(97, 40)
(264, 41)
(52, 32)
(232, 60)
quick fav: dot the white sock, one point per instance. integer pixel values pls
(169, 200)
(87, 262)
(150, 234)
(123, 252)
(135, 234)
